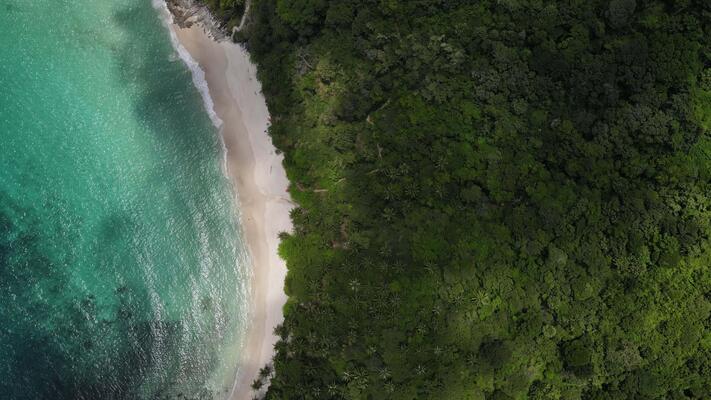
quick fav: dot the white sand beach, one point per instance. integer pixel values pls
(260, 181)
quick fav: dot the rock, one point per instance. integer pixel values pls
(187, 13)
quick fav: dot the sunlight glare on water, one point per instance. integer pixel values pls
(123, 274)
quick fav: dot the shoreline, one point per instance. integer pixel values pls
(259, 180)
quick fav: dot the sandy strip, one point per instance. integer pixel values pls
(261, 184)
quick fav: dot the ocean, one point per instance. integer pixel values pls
(123, 273)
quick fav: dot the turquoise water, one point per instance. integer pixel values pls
(122, 271)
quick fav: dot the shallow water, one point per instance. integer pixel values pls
(122, 270)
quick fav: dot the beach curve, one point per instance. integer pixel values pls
(255, 169)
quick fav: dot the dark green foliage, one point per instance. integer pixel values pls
(577, 356)
(230, 11)
(498, 199)
(495, 353)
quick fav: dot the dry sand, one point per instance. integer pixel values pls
(261, 184)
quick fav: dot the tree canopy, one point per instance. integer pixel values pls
(503, 199)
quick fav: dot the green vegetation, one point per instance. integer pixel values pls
(230, 11)
(503, 199)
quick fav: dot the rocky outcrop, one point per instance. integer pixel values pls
(187, 13)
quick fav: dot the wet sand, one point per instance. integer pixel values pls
(260, 182)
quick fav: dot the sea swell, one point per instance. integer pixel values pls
(198, 74)
(121, 260)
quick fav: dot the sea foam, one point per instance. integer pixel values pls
(153, 273)
(197, 73)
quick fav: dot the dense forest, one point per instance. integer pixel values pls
(498, 199)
